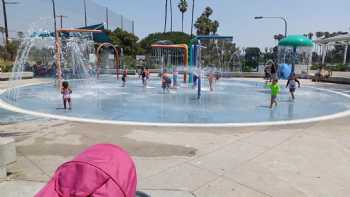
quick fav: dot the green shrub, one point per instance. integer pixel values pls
(130, 62)
(249, 66)
(340, 67)
(6, 66)
(314, 67)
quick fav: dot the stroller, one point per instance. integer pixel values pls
(102, 170)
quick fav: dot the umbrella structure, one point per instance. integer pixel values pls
(295, 41)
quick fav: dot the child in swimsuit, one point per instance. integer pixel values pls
(166, 81)
(292, 84)
(147, 74)
(66, 92)
(275, 90)
(211, 79)
(143, 77)
(175, 74)
(125, 76)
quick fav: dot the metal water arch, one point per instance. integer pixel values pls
(117, 54)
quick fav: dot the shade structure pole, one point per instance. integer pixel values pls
(310, 62)
(294, 60)
(199, 71)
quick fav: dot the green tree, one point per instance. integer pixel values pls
(205, 25)
(174, 37)
(327, 34)
(183, 8)
(12, 48)
(215, 26)
(125, 40)
(319, 34)
(252, 58)
(208, 12)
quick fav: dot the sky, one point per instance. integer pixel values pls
(236, 17)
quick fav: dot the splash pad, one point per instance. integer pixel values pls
(100, 98)
(234, 103)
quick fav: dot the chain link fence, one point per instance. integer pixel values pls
(37, 15)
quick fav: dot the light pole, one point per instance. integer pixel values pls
(54, 17)
(276, 17)
(166, 15)
(5, 21)
(57, 48)
(192, 18)
(61, 19)
(85, 15)
(171, 16)
(107, 19)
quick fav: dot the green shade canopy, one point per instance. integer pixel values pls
(296, 41)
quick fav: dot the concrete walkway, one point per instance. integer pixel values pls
(302, 160)
(310, 160)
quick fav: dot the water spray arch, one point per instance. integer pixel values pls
(117, 54)
(58, 46)
(169, 54)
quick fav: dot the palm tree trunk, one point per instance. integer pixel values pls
(182, 22)
(171, 16)
(192, 17)
(166, 15)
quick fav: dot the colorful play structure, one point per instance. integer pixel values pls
(171, 56)
(291, 44)
(100, 46)
(199, 44)
(58, 47)
(189, 57)
(323, 45)
(117, 58)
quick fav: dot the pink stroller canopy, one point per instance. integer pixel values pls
(102, 170)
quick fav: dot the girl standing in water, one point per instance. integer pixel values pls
(66, 92)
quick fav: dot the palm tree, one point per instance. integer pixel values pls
(215, 27)
(327, 34)
(192, 17)
(183, 8)
(166, 15)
